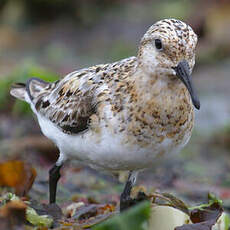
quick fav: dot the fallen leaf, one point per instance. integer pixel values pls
(203, 218)
(39, 221)
(53, 211)
(14, 213)
(92, 210)
(210, 213)
(88, 215)
(71, 209)
(106, 208)
(18, 175)
(86, 212)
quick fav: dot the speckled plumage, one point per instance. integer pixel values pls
(120, 116)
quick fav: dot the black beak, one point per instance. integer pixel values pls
(182, 71)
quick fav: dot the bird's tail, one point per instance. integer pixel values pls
(18, 90)
(32, 89)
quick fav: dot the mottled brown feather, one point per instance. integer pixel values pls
(71, 102)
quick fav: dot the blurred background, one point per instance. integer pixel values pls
(49, 39)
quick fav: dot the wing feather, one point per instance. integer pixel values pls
(71, 102)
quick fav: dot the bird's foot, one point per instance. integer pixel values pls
(127, 202)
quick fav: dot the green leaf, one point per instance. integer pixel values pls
(135, 218)
(212, 199)
(35, 219)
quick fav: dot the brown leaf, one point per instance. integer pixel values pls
(86, 212)
(14, 214)
(89, 215)
(92, 210)
(18, 175)
(203, 219)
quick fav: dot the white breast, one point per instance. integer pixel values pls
(105, 150)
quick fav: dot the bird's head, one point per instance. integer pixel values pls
(168, 48)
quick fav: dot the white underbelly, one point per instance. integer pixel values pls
(105, 150)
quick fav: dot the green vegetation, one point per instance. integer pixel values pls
(135, 218)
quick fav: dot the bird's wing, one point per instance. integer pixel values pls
(71, 102)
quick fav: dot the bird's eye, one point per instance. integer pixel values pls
(158, 44)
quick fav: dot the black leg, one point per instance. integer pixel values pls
(125, 200)
(54, 176)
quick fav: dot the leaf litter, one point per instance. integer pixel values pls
(17, 210)
(87, 216)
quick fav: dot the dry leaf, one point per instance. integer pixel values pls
(18, 175)
(204, 218)
(14, 213)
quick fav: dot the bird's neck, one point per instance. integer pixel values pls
(158, 90)
(156, 82)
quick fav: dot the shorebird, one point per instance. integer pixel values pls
(120, 116)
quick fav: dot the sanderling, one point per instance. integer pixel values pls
(122, 115)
